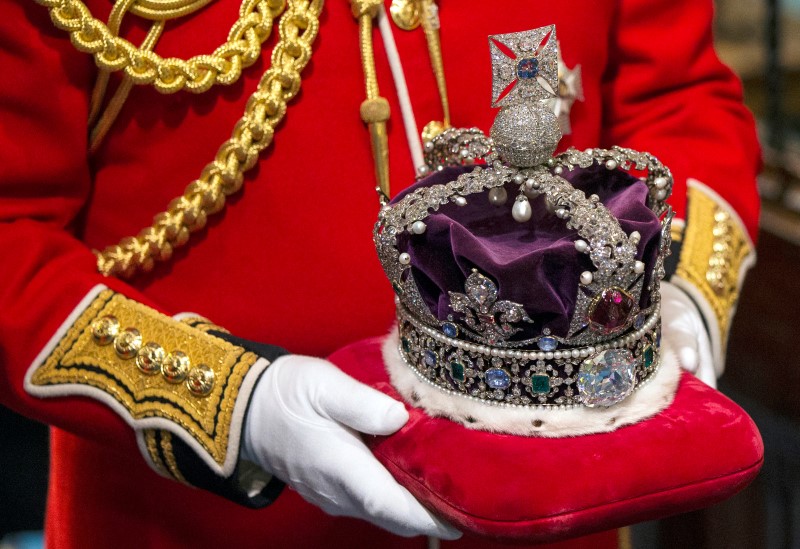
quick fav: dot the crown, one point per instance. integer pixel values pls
(551, 301)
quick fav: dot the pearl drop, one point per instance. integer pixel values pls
(405, 259)
(660, 182)
(636, 237)
(611, 164)
(418, 227)
(519, 179)
(521, 212)
(638, 267)
(586, 278)
(498, 196)
(581, 245)
(460, 201)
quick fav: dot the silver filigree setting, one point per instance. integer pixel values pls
(489, 319)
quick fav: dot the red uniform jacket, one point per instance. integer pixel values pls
(290, 261)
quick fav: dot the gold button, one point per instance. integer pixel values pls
(200, 380)
(175, 367)
(105, 329)
(128, 342)
(151, 357)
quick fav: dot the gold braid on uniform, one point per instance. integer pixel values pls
(154, 367)
(197, 74)
(223, 176)
(716, 251)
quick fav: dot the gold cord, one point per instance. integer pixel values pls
(197, 74)
(298, 27)
(430, 26)
(375, 109)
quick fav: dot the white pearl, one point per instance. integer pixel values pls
(611, 164)
(428, 146)
(464, 153)
(521, 212)
(460, 201)
(561, 213)
(418, 227)
(660, 182)
(559, 170)
(519, 179)
(423, 170)
(638, 267)
(498, 196)
(557, 354)
(636, 237)
(581, 245)
(586, 278)
(548, 355)
(405, 259)
(661, 195)
(575, 353)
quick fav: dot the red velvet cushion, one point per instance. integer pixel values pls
(699, 451)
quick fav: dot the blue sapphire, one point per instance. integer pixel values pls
(450, 329)
(639, 322)
(528, 68)
(547, 343)
(497, 378)
(430, 358)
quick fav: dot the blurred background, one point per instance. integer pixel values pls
(760, 40)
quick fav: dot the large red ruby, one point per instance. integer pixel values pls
(610, 310)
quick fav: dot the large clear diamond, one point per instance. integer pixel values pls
(607, 377)
(480, 289)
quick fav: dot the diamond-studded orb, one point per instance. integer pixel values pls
(610, 310)
(526, 134)
(607, 378)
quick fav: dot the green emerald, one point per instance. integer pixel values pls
(406, 344)
(397, 288)
(649, 356)
(540, 384)
(457, 371)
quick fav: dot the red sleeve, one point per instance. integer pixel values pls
(45, 183)
(666, 92)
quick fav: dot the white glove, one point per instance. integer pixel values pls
(683, 331)
(303, 427)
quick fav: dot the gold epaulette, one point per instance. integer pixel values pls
(716, 252)
(157, 372)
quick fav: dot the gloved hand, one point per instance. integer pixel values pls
(303, 426)
(683, 331)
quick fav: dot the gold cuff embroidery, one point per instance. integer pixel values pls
(715, 249)
(153, 366)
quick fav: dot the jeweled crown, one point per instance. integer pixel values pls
(550, 302)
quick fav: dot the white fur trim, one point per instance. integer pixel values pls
(645, 402)
(77, 389)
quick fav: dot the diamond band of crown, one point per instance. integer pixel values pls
(490, 349)
(541, 379)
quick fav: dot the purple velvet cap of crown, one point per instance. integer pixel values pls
(533, 263)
